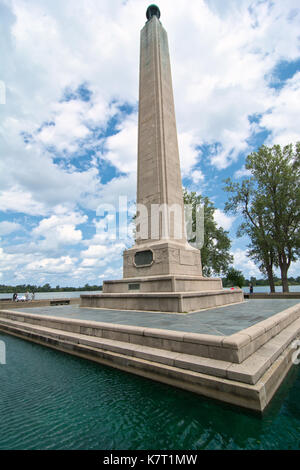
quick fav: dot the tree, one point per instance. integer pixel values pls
(235, 277)
(46, 288)
(269, 200)
(245, 200)
(215, 254)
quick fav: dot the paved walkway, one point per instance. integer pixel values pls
(217, 321)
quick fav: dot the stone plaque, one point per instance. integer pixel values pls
(134, 286)
(143, 258)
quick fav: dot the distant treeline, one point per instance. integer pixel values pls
(45, 288)
(21, 288)
(264, 282)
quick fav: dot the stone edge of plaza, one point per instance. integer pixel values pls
(243, 369)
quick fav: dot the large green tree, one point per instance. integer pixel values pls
(235, 277)
(269, 200)
(215, 252)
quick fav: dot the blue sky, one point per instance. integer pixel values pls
(68, 128)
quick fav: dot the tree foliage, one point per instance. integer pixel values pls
(235, 278)
(215, 254)
(269, 201)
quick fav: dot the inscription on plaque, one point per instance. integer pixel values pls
(133, 286)
(143, 258)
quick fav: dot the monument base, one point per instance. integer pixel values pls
(162, 284)
(175, 302)
(169, 293)
(161, 258)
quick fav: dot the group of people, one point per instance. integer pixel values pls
(17, 298)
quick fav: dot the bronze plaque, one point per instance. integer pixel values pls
(133, 286)
(143, 258)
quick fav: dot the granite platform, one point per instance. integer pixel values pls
(217, 321)
(238, 354)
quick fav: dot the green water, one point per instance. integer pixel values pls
(51, 400)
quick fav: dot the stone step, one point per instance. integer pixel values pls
(175, 302)
(234, 348)
(249, 371)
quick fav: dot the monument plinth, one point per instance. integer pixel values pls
(161, 271)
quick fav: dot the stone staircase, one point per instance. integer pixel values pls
(185, 360)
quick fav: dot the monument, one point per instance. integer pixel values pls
(161, 272)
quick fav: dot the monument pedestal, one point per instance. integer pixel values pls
(162, 284)
(175, 302)
(164, 276)
(161, 258)
(171, 293)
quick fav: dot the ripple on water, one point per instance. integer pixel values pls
(50, 400)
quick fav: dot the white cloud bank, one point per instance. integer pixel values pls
(7, 228)
(223, 56)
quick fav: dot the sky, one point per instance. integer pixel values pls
(68, 120)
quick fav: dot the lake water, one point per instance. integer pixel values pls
(52, 400)
(63, 295)
(53, 295)
(257, 289)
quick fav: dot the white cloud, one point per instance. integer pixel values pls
(294, 270)
(6, 260)
(111, 273)
(68, 127)
(17, 200)
(59, 230)
(122, 186)
(64, 264)
(242, 172)
(9, 227)
(245, 264)
(197, 176)
(122, 146)
(187, 151)
(283, 119)
(223, 220)
(103, 252)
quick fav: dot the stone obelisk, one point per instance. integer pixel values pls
(159, 178)
(161, 246)
(161, 272)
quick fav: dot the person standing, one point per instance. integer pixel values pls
(251, 288)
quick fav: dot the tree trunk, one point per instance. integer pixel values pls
(271, 279)
(284, 265)
(284, 270)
